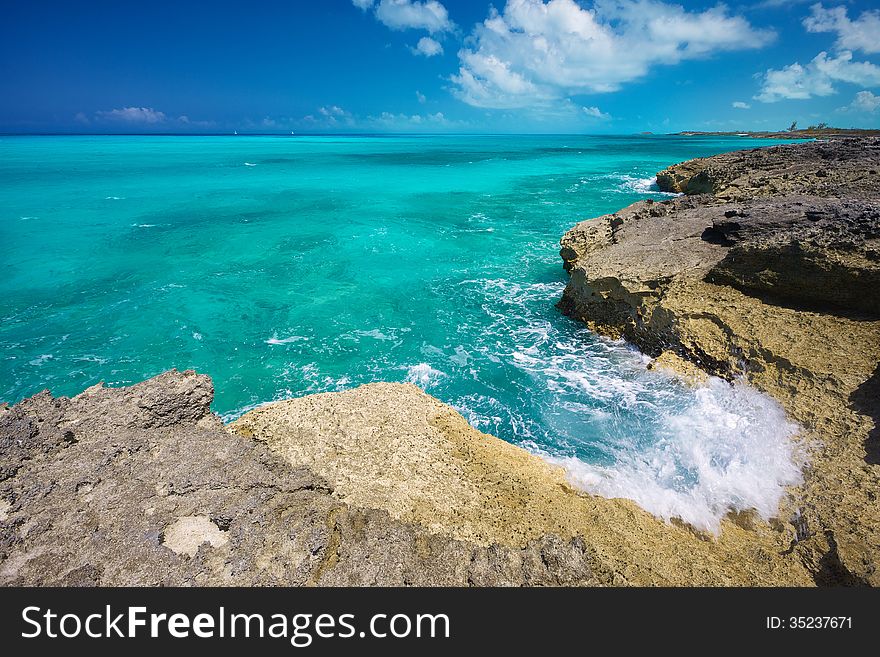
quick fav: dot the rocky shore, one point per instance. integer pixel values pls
(381, 485)
(768, 274)
(768, 268)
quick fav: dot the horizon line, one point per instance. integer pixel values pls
(645, 133)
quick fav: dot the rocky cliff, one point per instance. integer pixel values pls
(144, 486)
(768, 268)
(381, 485)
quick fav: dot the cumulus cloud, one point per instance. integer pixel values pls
(146, 118)
(421, 97)
(738, 104)
(327, 116)
(411, 14)
(187, 122)
(595, 113)
(333, 117)
(536, 52)
(144, 115)
(428, 47)
(861, 34)
(389, 120)
(816, 78)
(865, 102)
(362, 4)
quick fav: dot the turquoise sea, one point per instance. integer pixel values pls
(283, 266)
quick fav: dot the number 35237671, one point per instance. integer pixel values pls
(809, 623)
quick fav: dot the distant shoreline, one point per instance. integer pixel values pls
(787, 134)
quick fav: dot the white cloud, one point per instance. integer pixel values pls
(185, 121)
(816, 78)
(595, 113)
(535, 53)
(412, 14)
(328, 116)
(333, 115)
(861, 34)
(428, 47)
(362, 4)
(421, 97)
(391, 121)
(864, 101)
(332, 110)
(738, 104)
(144, 117)
(134, 115)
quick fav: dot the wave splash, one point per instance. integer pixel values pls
(730, 449)
(620, 430)
(423, 375)
(623, 183)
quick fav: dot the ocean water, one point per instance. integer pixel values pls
(283, 266)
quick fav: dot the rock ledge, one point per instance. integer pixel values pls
(768, 268)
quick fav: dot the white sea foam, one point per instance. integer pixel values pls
(376, 334)
(642, 185)
(90, 358)
(461, 357)
(731, 449)
(423, 375)
(291, 338)
(621, 430)
(114, 198)
(250, 164)
(143, 225)
(233, 415)
(624, 183)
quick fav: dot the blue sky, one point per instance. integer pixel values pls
(606, 66)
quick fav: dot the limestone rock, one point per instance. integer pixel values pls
(768, 271)
(143, 486)
(392, 448)
(130, 486)
(843, 168)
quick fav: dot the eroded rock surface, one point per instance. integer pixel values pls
(381, 485)
(767, 269)
(144, 486)
(392, 448)
(844, 168)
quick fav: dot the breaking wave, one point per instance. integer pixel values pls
(621, 430)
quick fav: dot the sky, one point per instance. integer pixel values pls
(433, 66)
